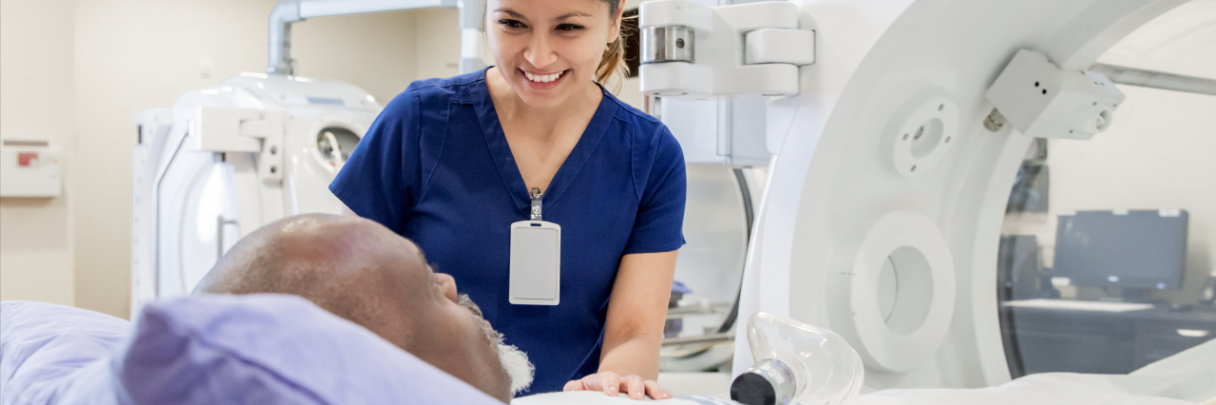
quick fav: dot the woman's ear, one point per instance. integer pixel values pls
(614, 32)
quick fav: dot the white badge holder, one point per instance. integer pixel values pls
(536, 253)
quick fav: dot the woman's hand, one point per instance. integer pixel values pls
(611, 383)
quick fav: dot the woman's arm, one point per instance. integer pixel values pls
(629, 360)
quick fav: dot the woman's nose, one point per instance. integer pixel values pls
(447, 284)
(540, 51)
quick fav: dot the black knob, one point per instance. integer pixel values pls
(753, 389)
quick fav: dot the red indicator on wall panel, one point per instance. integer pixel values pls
(26, 159)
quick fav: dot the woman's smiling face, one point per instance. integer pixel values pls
(549, 50)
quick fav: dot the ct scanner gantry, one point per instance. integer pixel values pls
(893, 152)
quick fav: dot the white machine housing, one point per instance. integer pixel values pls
(1044, 101)
(740, 49)
(226, 160)
(886, 193)
(721, 131)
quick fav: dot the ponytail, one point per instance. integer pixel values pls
(612, 64)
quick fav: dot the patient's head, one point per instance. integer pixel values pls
(363, 272)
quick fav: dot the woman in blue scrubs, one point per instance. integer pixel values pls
(450, 162)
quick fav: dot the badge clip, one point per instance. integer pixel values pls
(535, 262)
(536, 209)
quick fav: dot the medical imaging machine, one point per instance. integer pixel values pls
(226, 160)
(896, 129)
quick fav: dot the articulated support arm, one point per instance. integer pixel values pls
(694, 51)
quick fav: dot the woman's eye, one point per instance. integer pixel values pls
(569, 27)
(511, 23)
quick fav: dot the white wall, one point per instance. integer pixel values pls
(437, 32)
(378, 52)
(1160, 152)
(36, 63)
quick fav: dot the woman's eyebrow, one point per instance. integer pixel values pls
(562, 17)
(572, 15)
(511, 13)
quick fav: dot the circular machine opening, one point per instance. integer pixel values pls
(905, 290)
(335, 145)
(926, 138)
(1043, 234)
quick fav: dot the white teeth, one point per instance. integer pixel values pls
(543, 78)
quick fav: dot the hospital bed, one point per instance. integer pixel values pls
(268, 349)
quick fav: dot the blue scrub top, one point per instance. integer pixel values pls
(435, 167)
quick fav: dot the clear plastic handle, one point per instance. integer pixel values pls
(797, 363)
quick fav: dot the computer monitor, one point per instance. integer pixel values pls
(1139, 249)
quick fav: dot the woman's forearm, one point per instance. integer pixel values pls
(637, 356)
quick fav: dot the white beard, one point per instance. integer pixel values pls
(517, 366)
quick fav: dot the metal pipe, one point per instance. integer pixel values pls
(1156, 80)
(326, 8)
(286, 12)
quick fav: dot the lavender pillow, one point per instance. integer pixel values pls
(44, 346)
(256, 349)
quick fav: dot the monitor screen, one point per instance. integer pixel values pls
(1130, 249)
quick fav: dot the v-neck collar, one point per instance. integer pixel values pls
(500, 150)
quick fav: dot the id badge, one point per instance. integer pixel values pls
(536, 263)
(536, 259)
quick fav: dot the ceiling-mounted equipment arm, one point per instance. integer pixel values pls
(287, 12)
(694, 51)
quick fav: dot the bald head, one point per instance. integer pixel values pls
(342, 264)
(361, 271)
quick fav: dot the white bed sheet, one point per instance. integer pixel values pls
(1187, 378)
